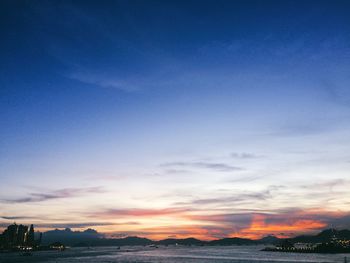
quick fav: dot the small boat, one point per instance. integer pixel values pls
(154, 246)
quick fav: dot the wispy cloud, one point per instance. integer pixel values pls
(243, 197)
(103, 80)
(216, 166)
(244, 179)
(57, 194)
(244, 155)
(327, 185)
(84, 225)
(239, 197)
(17, 217)
(176, 171)
(137, 212)
(67, 224)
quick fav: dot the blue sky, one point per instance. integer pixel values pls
(116, 105)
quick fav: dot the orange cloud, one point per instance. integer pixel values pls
(260, 228)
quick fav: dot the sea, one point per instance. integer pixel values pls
(169, 254)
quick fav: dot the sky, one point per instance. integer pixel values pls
(160, 119)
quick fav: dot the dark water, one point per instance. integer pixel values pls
(235, 254)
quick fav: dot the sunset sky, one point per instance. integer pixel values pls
(204, 119)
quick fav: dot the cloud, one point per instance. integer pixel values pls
(69, 224)
(237, 198)
(230, 222)
(281, 223)
(329, 218)
(83, 225)
(244, 155)
(260, 227)
(176, 171)
(221, 167)
(57, 194)
(244, 179)
(340, 222)
(297, 221)
(284, 222)
(17, 217)
(138, 212)
(330, 184)
(242, 197)
(103, 80)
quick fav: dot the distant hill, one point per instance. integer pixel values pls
(127, 241)
(324, 236)
(271, 239)
(186, 241)
(233, 241)
(69, 237)
(91, 237)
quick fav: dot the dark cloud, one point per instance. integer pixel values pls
(227, 217)
(340, 222)
(329, 218)
(222, 167)
(56, 194)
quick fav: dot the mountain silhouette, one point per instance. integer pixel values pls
(233, 241)
(186, 241)
(91, 237)
(322, 237)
